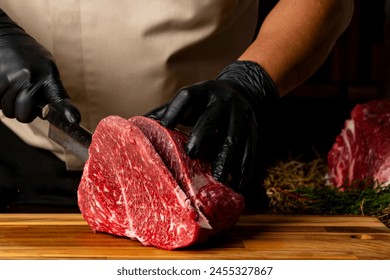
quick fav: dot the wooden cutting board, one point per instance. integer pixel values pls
(67, 236)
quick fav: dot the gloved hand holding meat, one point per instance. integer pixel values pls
(224, 116)
(29, 78)
(161, 178)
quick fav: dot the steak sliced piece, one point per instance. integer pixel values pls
(362, 150)
(213, 201)
(128, 189)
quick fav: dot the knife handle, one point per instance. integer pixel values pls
(76, 131)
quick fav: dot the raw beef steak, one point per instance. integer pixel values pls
(362, 150)
(138, 182)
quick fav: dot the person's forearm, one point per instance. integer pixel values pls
(296, 37)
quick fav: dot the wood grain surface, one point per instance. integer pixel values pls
(67, 236)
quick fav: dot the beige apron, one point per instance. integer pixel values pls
(127, 57)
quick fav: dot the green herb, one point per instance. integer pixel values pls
(298, 187)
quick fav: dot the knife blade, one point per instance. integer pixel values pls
(74, 138)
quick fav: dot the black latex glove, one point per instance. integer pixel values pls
(29, 78)
(224, 116)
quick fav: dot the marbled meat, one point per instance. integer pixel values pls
(362, 150)
(138, 182)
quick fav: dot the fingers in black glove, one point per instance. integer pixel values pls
(156, 113)
(29, 78)
(228, 127)
(186, 108)
(243, 166)
(224, 114)
(224, 127)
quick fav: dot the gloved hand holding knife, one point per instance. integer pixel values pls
(29, 78)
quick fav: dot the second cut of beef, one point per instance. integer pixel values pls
(362, 150)
(138, 182)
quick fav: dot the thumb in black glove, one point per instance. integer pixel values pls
(29, 78)
(224, 114)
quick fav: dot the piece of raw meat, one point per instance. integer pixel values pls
(362, 150)
(138, 182)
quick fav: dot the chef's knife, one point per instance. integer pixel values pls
(72, 137)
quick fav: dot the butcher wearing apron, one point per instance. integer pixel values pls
(115, 58)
